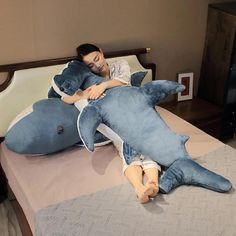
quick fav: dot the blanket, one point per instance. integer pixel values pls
(115, 211)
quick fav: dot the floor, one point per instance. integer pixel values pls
(8, 222)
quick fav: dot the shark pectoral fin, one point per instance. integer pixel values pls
(87, 123)
(184, 138)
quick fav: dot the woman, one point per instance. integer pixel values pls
(117, 73)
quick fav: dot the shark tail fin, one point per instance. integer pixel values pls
(87, 123)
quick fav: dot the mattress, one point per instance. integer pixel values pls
(42, 181)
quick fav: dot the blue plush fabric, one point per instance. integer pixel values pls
(187, 172)
(73, 77)
(137, 78)
(51, 127)
(129, 112)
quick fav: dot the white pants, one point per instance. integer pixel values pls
(143, 161)
(139, 160)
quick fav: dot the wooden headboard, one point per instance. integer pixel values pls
(16, 74)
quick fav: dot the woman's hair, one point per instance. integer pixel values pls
(85, 49)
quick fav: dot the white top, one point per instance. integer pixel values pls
(120, 70)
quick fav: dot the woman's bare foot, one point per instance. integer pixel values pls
(143, 194)
(152, 185)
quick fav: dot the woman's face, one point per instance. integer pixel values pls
(96, 62)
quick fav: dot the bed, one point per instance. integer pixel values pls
(75, 192)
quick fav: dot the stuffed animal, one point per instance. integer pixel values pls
(48, 126)
(129, 112)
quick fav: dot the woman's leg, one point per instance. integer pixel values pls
(132, 168)
(152, 180)
(151, 170)
(187, 172)
(134, 173)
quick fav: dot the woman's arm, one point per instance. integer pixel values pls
(97, 91)
(76, 97)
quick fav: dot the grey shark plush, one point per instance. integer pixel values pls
(129, 112)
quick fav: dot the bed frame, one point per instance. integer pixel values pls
(10, 69)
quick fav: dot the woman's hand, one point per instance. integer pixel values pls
(96, 91)
(76, 97)
(84, 94)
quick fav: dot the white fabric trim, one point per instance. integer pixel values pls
(20, 116)
(81, 104)
(105, 130)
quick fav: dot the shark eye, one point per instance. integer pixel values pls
(60, 129)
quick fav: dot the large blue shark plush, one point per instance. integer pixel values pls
(130, 113)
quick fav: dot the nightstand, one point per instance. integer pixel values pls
(204, 115)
